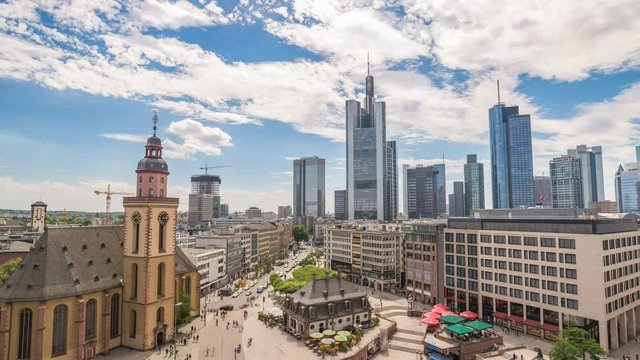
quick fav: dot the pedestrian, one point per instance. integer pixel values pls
(216, 322)
(637, 357)
(197, 338)
(207, 353)
(521, 357)
(166, 352)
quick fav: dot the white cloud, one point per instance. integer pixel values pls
(125, 137)
(281, 173)
(161, 14)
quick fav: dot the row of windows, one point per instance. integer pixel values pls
(419, 247)
(613, 259)
(530, 295)
(618, 243)
(529, 282)
(623, 286)
(623, 301)
(610, 275)
(528, 241)
(529, 255)
(419, 285)
(419, 256)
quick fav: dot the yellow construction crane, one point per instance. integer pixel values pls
(107, 216)
(207, 167)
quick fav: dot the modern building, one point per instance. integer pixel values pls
(284, 212)
(473, 184)
(369, 258)
(267, 240)
(224, 210)
(204, 199)
(421, 192)
(541, 270)
(82, 291)
(391, 182)
(441, 184)
(234, 251)
(324, 304)
(340, 205)
(423, 259)
(308, 188)
(566, 185)
(211, 264)
(511, 157)
(604, 207)
(254, 213)
(370, 159)
(542, 191)
(457, 200)
(592, 178)
(627, 185)
(638, 154)
(405, 202)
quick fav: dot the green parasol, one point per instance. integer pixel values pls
(344, 333)
(327, 341)
(316, 336)
(329, 332)
(340, 338)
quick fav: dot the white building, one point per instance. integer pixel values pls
(211, 265)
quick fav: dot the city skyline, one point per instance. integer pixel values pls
(224, 78)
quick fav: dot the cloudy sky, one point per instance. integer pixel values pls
(255, 84)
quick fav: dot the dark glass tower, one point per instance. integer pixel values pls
(422, 192)
(473, 184)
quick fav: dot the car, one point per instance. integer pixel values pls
(259, 289)
(226, 307)
(235, 294)
(247, 293)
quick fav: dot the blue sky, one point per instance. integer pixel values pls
(255, 84)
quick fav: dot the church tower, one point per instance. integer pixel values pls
(149, 253)
(38, 216)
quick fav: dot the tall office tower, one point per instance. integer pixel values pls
(224, 210)
(366, 156)
(204, 199)
(511, 157)
(627, 184)
(457, 200)
(542, 191)
(566, 187)
(637, 153)
(473, 184)
(422, 192)
(441, 183)
(308, 188)
(405, 202)
(340, 204)
(390, 182)
(592, 174)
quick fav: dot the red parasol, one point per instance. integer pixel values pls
(430, 322)
(469, 315)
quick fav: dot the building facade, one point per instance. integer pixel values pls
(627, 186)
(211, 264)
(473, 184)
(204, 199)
(566, 185)
(591, 174)
(391, 182)
(441, 185)
(284, 212)
(308, 188)
(539, 271)
(234, 252)
(340, 204)
(511, 157)
(254, 213)
(457, 200)
(542, 190)
(423, 261)
(422, 192)
(605, 207)
(224, 210)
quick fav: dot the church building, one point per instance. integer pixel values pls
(82, 291)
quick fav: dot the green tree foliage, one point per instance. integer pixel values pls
(301, 277)
(184, 310)
(573, 344)
(300, 233)
(7, 269)
(311, 258)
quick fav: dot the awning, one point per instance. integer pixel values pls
(515, 318)
(451, 319)
(530, 322)
(459, 329)
(500, 315)
(550, 327)
(478, 325)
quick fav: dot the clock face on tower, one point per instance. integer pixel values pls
(136, 217)
(163, 217)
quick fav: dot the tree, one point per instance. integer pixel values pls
(7, 269)
(300, 233)
(574, 343)
(184, 310)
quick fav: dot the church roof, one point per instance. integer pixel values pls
(66, 262)
(38, 203)
(183, 264)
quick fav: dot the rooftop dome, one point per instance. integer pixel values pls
(154, 140)
(155, 164)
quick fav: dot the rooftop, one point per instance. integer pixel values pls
(327, 290)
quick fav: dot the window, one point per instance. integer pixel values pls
(150, 192)
(571, 274)
(547, 242)
(160, 315)
(161, 192)
(136, 238)
(533, 269)
(472, 239)
(161, 277)
(551, 271)
(551, 257)
(461, 272)
(331, 308)
(572, 304)
(572, 289)
(567, 243)
(530, 241)
(534, 296)
(24, 337)
(570, 258)
(312, 312)
(449, 270)
(552, 285)
(90, 320)
(533, 255)
(347, 305)
(161, 238)
(187, 284)
(114, 329)
(514, 240)
(460, 238)
(460, 261)
(534, 283)
(485, 238)
(473, 262)
(150, 179)
(499, 239)
(140, 179)
(132, 324)
(134, 282)
(161, 180)
(552, 300)
(59, 336)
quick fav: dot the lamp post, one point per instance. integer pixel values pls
(175, 330)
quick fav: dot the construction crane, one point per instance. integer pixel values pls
(107, 216)
(207, 167)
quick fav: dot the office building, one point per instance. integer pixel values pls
(370, 160)
(211, 263)
(423, 257)
(592, 178)
(308, 188)
(542, 270)
(457, 199)
(441, 186)
(422, 192)
(511, 157)
(340, 204)
(627, 185)
(473, 184)
(542, 192)
(253, 212)
(234, 252)
(369, 258)
(566, 187)
(405, 201)
(204, 199)
(224, 210)
(284, 212)
(638, 154)
(604, 207)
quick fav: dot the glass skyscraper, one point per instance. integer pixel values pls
(511, 157)
(204, 199)
(592, 179)
(441, 184)
(371, 160)
(308, 188)
(627, 184)
(566, 187)
(473, 184)
(340, 204)
(422, 192)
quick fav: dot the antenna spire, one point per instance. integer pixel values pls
(368, 73)
(498, 83)
(155, 121)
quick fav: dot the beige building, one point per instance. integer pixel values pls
(268, 239)
(538, 271)
(605, 206)
(423, 260)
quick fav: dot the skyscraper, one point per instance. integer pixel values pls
(542, 191)
(457, 200)
(224, 210)
(637, 153)
(405, 202)
(592, 178)
(204, 199)
(421, 190)
(627, 183)
(511, 157)
(441, 184)
(566, 187)
(473, 184)
(371, 160)
(308, 188)
(340, 204)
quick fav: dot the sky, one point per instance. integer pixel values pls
(255, 84)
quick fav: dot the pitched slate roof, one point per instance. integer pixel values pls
(183, 264)
(66, 262)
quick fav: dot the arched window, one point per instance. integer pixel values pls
(140, 192)
(161, 192)
(160, 315)
(136, 238)
(162, 180)
(24, 337)
(163, 219)
(161, 278)
(90, 320)
(132, 324)
(150, 192)
(140, 179)
(59, 338)
(114, 330)
(134, 282)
